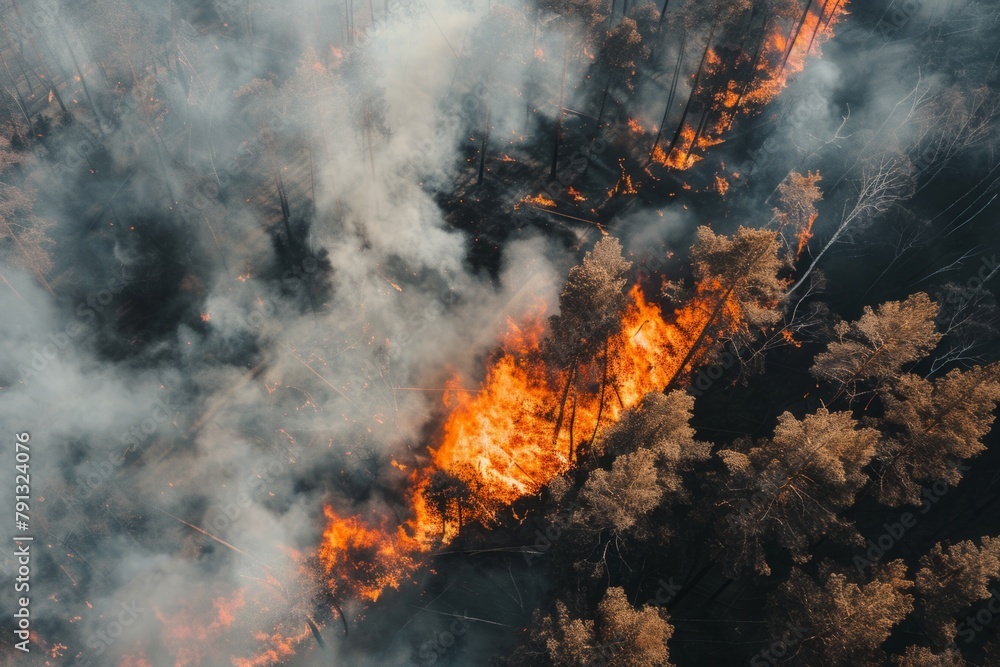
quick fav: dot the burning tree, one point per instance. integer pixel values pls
(590, 307)
(367, 100)
(737, 293)
(886, 180)
(796, 211)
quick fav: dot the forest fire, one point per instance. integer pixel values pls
(728, 89)
(503, 442)
(805, 234)
(322, 376)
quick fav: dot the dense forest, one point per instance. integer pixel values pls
(540, 332)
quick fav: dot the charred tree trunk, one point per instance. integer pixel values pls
(694, 90)
(562, 402)
(250, 31)
(41, 62)
(819, 25)
(282, 199)
(753, 65)
(19, 59)
(559, 113)
(312, 179)
(794, 36)
(833, 12)
(663, 12)
(670, 98)
(659, 30)
(604, 101)
(572, 419)
(20, 99)
(83, 81)
(693, 350)
(722, 81)
(600, 404)
(482, 148)
(371, 148)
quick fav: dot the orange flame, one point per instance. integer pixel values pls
(805, 235)
(501, 441)
(539, 200)
(774, 65)
(624, 186)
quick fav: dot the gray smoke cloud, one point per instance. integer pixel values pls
(205, 374)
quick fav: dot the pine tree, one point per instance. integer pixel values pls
(619, 636)
(629, 637)
(952, 577)
(787, 491)
(590, 307)
(661, 425)
(842, 622)
(796, 211)
(921, 656)
(870, 353)
(618, 498)
(933, 426)
(737, 292)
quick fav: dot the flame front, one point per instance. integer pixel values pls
(728, 90)
(501, 440)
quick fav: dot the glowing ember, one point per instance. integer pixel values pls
(539, 200)
(624, 186)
